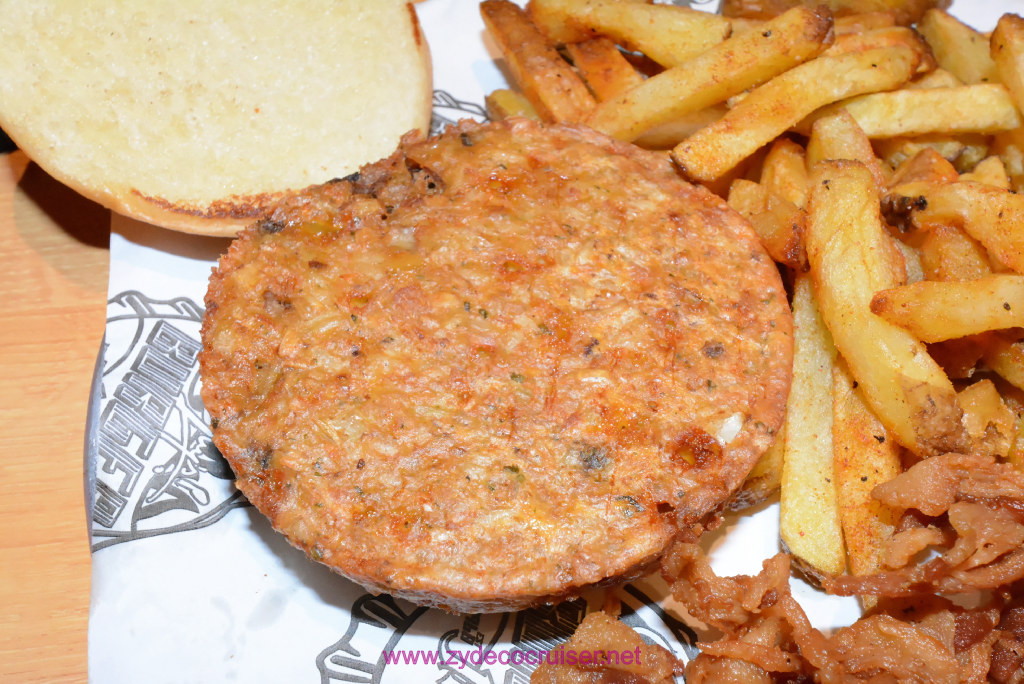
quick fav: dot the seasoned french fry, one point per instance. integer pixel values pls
(846, 246)
(991, 425)
(1006, 357)
(809, 512)
(979, 108)
(885, 37)
(784, 171)
(504, 103)
(990, 171)
(547, 80)
(1009, 147)
(784, 101)
(667, 136)
(864, 21)
(668, 34)
(948, 253)
(603, 67)
(993, 217)
(558, 19)
(903, 11)
(766, 476)
(778, 222)
(837, 136)
(1007, 51)
(927, 166)
(957, 47)
(723, 70)
(865, 455)
(934, 311)
(896, 151)
(937, 78)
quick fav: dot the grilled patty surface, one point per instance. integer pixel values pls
(499, 366)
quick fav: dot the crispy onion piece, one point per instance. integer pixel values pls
(767, 636)
(977, 507)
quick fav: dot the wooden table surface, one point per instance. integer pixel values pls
(53, 276)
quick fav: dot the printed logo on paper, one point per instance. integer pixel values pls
(156, 469)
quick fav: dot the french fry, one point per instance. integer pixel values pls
(723, 70)
(896, 151)
(809, 511)
(766, 477)
(864, 21)
(668, 34)
(957, 47)
(979, 108)
(667, 136)
(503, 104)
(778, 222)
(903, 11)
(837, 136)
(991, 425)
(846, 247)
(993, 217)
(1007, 52)
(784, 171)
(1009, 147)
(934, 311)
(937, 78)
(1006, 357)
(558, 19)
(885, 37)
(784, 101)
(603, 67)
(547, 80)
(990, 171)
(926, 167)
(865, 455)
(948, 253)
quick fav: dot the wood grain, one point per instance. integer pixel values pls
(53, 280)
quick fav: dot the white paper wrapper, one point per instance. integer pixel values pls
(190, 583)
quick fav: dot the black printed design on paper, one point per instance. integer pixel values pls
(448, 110)
(380, 625)
(157, 470)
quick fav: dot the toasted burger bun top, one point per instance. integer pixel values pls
(198, 115)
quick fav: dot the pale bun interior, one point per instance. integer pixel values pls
(195, 115)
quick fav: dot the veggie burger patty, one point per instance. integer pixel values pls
(503, 364)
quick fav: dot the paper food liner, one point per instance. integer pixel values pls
(191, 584)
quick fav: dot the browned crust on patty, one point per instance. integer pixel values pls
(499, 366)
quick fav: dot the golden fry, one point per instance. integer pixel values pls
(603, 67)
(837, 136)
(990, 171)
(668, 34)
(1006, 357)
(809, 512)
(778, 222)
(903, 11)
(885, 37)
(784, 101)
(784, 171)
(993, 217)
(547, 80)
(724, 70)
(991, 425)
(957, 47)
(865, 455)
(948, 253)
(504, 104)
(934, 311)
(980, 108)
(847, 248)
